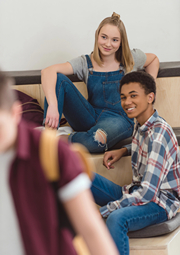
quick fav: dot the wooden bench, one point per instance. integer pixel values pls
(163, 245)
(167, 102)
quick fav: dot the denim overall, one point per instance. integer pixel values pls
(102, 111)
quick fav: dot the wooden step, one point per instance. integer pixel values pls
(164, 245)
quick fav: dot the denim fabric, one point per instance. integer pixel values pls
(102, 110)
(122, 220)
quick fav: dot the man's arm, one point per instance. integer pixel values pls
(156, 169)
(110, 157)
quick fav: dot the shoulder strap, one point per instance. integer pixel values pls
(48, 152)
(86, 159)
(89, 63)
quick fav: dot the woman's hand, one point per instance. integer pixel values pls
(111, 157)
(52, 117)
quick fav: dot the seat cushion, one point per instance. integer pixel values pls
(31, 110)
(158, 229)
(177, 133)
(122, 143)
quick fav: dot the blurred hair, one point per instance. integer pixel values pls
(123, 54)
(7, 94)
(145, 80)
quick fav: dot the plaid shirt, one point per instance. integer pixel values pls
(156, 168)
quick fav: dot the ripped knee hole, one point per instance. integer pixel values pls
(101, 136)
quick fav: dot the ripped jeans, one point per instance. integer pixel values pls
(97, 129)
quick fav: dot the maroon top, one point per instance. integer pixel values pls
(44, 229)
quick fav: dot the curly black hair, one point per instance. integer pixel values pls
(145, 80)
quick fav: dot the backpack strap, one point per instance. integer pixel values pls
(48, 152)
(88, 164)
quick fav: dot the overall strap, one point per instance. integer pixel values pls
(89, 63)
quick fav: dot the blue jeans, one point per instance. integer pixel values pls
(86, 120)
(122, 220)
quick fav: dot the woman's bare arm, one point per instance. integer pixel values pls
(152, 65)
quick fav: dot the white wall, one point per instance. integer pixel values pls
(37, 33)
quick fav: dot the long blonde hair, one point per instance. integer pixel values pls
(123, 54)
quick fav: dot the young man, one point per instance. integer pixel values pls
(153, 196)
(29, 220)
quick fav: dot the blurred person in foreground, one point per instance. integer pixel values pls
(32, 221)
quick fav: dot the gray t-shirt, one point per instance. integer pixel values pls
(80, 66)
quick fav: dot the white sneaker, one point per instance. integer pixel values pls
(64, 130)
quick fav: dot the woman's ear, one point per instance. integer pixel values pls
(151, 97)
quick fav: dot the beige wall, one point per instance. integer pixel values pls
(168, 100)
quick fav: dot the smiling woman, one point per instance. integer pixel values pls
(109, 39)
(102, 71)
(108, 43)
(114, 32)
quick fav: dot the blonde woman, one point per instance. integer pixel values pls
(99, 122)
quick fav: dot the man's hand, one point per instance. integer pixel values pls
(112, 156)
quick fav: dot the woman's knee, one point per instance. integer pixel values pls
(100, 136)
(95, 142)
(64, 84)
(61, 78)
(100, 140)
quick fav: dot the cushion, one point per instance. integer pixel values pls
(158, 229)
(177, 133)
(31, 110)
(122, 143)
(128, 140)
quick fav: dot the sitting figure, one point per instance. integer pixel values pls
(38, 214)
(99, 122)
(154, 194)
